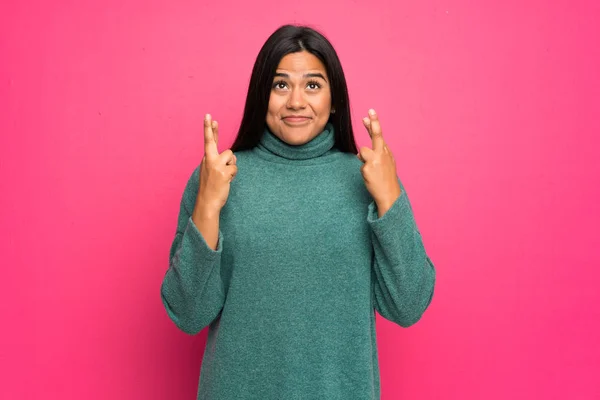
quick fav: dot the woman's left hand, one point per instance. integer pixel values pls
(379, 168)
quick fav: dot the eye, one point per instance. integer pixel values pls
(279, 85)
(313, 85)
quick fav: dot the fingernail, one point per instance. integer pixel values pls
(366, 120)
(207, 117)
(371, 112)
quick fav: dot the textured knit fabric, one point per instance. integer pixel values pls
(302, 263)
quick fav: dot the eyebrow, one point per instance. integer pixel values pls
(309, 75)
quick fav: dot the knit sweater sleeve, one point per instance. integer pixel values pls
(403, 274)
(192, 291)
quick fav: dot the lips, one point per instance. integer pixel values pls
(296, 118)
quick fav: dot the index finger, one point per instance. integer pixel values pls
(376, 134)
(210, 145)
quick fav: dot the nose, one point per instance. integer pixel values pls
(296, 99)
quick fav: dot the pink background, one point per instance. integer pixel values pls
(491, 109)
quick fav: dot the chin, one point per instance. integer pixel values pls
(296, 135)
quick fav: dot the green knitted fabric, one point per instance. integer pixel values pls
(302, 263)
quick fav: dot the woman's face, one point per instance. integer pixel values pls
(300, 102)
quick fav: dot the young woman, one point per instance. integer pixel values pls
(288, 243)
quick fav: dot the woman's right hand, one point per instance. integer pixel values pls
(216, 170)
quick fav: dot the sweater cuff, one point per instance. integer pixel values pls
(397, 216)
(197, 240)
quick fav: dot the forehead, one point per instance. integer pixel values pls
(301, 62)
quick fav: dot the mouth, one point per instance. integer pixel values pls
(295, 119)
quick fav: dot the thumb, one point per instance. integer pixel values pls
(365, 154)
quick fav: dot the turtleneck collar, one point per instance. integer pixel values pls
(317, 147)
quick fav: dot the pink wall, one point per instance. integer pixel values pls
(491, 111)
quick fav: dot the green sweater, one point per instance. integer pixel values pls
(302, 262)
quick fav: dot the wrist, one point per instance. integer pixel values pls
(385, 204)
(205, 210)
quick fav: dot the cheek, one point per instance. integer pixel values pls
(274, 104)
(325, 102)
(325, 105)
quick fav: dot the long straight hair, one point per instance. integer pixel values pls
(285, 40)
